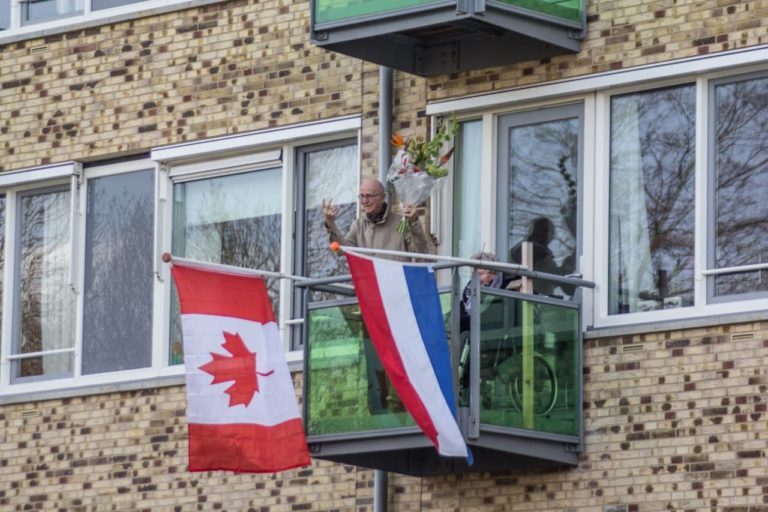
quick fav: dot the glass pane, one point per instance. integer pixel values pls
(741, 178)
(42, 10)
(568, 9)
(45, 303)
(347, 388)
(329, 174)
(2, 254)
(106, 4)
(5, 14)
(335, 10)
(117, 321)
(234, 220)
(542, 170)
(466, 189)
(652, 200)
(546, 347)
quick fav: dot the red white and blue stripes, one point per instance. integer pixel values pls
(401, 309)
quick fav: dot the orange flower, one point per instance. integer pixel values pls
(397, 141)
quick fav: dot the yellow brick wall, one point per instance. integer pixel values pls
(673, 421)
(678, 424)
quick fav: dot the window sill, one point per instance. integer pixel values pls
(675, 324)
(98, 18)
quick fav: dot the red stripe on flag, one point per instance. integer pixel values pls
(247, 448)
(215, 293)
(369, 296)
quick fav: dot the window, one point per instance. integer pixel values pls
(34, 17)
(652, 201)
(254, 201)
(667, 216)
(466, 189)
(79, 249)
(539, 156)
(44, 322)
(34, 11)
(86, 300)
(739, 180)
(233, 219)
(118, 280)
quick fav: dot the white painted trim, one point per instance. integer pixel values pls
(733, 270)
(701, 187)
(608, 80)
(488, 183)
(263, 139)
(287, 243)
(161, 309)
(209, 168)
(37, 174)
(110, 378)
(9, 271)
(601, 206)
(586, 224)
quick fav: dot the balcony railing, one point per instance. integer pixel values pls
(517, 372)
(431, 37)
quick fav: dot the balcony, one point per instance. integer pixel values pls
(433, 37)
(517, 375)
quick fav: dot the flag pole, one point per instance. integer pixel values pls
(229, 269)
(493, 265)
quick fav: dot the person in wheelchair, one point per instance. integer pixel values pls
(489, 278)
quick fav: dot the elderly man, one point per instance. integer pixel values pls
(377, 227)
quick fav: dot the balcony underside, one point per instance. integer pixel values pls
(410, 453)
(440, 41)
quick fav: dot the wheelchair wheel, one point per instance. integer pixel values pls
(545, 387)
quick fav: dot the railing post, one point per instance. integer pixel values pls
(528, 337)
(474, 359)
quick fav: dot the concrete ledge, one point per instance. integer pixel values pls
(676, 325)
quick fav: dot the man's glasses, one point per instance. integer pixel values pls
(365, 197)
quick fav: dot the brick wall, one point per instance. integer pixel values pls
(674, 421)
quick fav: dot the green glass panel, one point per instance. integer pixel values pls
(567, 9)
(334, 10)
(548, 346)
(347, 389)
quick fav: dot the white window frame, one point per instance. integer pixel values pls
(180, 162)
(595, 92)
(250, 151)
(89, 18)
(71, 173)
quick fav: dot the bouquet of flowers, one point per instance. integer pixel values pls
(417, 165)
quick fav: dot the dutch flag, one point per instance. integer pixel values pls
(401, 310)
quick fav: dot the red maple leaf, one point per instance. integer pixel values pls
(241, 368)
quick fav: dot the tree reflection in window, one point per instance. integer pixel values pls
(117, 296)
(329, 173)
(232, 220)
(46, 303)
(651, 245)
(741, 181)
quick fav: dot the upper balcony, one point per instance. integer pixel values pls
(517, 376)
(432, 37)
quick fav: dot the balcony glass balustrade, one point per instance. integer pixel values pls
(517, 372)
(431, 37)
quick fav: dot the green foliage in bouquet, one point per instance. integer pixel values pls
(426, 155)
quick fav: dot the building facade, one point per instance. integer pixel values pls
(213, 129)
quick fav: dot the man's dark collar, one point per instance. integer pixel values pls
(380, 216)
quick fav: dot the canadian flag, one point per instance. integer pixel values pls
(241, 406)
